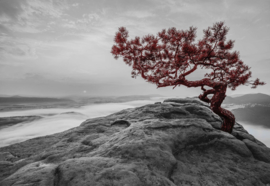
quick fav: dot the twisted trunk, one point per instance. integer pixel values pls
(226, 115)
(219, 91)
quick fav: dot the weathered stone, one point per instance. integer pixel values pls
(6, 156)
(168, 144)
(36, 173)
(186, 101)
(259, 152)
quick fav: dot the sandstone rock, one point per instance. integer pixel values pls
(169, 144)
(36, 173)
(6, 156)
(186, 101)
(259, 152)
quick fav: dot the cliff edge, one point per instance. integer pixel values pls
(177, 142)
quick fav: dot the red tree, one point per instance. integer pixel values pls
(166, 60)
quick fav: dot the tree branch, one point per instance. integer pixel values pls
(204, 97)
(190, 71)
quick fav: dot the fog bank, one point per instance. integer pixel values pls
(58, 120)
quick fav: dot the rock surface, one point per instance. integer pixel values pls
(177, 142)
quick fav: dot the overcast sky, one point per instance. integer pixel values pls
(62, 47)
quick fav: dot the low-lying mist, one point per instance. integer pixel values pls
(259, 132)
(47, 125)
(58, 120)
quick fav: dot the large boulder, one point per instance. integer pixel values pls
(169, 144)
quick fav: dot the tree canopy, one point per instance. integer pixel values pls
(167, 58)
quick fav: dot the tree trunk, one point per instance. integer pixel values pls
(219, 92)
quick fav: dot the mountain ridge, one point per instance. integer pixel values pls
(257, 98)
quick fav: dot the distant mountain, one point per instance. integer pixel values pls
(9, 121)
(36, 100)
(248, 99)
(236, 95)
(240, 99)
(111, 99)
(139, 96)
(257, 115)
(22, 103)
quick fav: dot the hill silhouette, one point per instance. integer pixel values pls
(248, 99)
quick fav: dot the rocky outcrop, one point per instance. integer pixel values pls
(177, 142)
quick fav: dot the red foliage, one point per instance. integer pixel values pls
(166, 59)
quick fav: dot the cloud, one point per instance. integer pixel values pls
(11, 8)
(70, 41)
(30, 76)
(12, 49)
(16, 48)
(29, 16)
(139, 14)
(83, 24)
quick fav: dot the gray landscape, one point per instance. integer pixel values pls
(25, 117)
(134, 93)
(161, 142)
